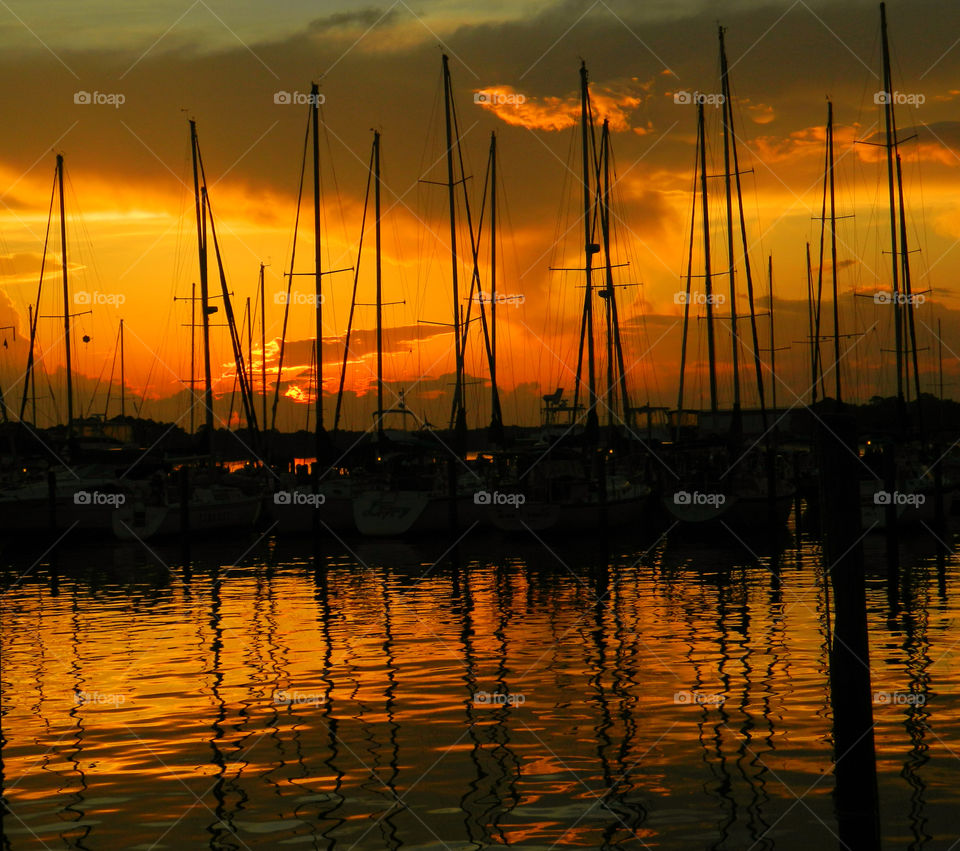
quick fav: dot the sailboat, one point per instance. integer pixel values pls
(588, 482)
(724, 481)
(71, 496)
(414, 488)
(212, 504)
(326, 501)
(911, 501)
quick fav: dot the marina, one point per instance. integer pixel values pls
(443, 532)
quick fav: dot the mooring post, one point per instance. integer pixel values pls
(855, 767)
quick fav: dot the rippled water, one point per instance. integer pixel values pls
(262, 695)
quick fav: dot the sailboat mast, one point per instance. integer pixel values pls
(495, 396)
(590, 248)
(909, 302)
(193, 351)
(201, 210)
(728, 188)
(686, 301)
(318, 274)
(707, 282)
(263, 348)
(123, 379)
(891, 144)
(66, 298)
(833, 253)
(33, 398)
(747, 269)
(773, 342)
(607, 292)
(376, 204)
(249, 317)
(621, 378)
(460, 422)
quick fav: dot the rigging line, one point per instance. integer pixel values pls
(113, 365)
(36, 313)
(475, 252)
(353, 298)
(93, 393)
(286, 307)
(228, 309)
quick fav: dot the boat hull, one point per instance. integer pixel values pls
(150, 522)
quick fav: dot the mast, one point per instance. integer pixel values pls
(66, 298)
(748, 273)
(376, 205)
(33, 398)
(200, 201)
(460, 420)
(263, 348)
(833, 253)
(708, 284)
(249, 318)
(607, 292)
(193, 351)
(496, 418)
(318, 274)
(686, 301)
(590, 248)
(123, 380)
(891, 143)
(905, 265)
(773, 343)
(728, 188)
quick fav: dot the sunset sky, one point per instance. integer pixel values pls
(131, 235)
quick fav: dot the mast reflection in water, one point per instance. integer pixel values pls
(403, 697)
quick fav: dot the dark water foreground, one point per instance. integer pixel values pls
(558, 696)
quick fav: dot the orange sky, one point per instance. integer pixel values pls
(131, 233)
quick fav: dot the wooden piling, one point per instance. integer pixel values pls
(855, 768)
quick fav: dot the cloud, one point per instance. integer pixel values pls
(612, 102)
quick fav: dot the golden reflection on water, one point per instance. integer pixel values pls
(676, 697)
